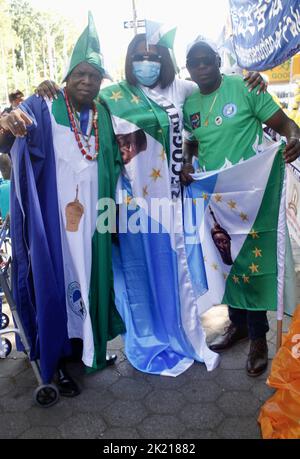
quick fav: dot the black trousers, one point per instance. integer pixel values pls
(256, 321)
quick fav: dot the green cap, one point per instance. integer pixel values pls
(87, 49)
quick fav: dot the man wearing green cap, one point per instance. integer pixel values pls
(65, 159)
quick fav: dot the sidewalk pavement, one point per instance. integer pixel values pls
(123, 403)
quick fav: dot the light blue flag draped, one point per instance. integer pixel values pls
(153, 288)
(147, 298)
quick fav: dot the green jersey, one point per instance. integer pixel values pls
(227, 123)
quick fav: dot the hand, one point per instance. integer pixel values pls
(292, 150)
(254, 80)
(16, 122)
(185, 177)
(48, 89)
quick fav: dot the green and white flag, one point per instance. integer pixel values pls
(160, 34)
(153, 289)
(241, 233)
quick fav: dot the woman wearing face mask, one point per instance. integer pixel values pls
(153, 286)
(154, 292)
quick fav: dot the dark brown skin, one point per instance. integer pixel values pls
(208, 78)
(82, 86)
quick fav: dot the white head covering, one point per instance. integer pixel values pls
(203, 41)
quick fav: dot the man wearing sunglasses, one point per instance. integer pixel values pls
(224, 121)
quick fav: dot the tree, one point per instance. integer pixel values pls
(33, 46)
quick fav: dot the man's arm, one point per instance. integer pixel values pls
(286, 127)
(190, 149)
(13, 125)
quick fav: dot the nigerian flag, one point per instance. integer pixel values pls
(241, 222)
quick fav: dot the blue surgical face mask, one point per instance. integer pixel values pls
(146, 72)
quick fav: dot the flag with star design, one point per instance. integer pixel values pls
(242, 232)
(153, 289)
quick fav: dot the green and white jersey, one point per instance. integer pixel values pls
(227, 123)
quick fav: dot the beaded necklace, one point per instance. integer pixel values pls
(77, 132)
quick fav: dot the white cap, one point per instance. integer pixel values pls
(201, 40)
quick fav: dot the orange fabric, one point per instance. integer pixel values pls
(280, 416)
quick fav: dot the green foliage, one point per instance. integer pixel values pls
(34, 45)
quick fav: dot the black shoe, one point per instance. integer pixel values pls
(231, 336)
(66, 385)
(257, 362)
(111, 359)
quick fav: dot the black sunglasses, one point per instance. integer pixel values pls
(194, 62)
(146, 57)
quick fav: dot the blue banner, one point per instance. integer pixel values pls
(265, 32)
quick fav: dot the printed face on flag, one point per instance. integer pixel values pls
(131, 144)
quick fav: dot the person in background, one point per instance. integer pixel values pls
(15, 98)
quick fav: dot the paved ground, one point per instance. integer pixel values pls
(122, 403)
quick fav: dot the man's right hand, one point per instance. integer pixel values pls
(48, 89)
(16, 122)
(185, 177)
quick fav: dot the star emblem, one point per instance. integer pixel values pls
(244, 217)
(218, 198)
(254, 268)
(163, 155)
(257, 253)
(155, 174)
(205, 196)
(116, 96)
(254, 234)
(246, 279)
(135, 100)
(128, 200)
(232, 205)
(236, 280)
(214, 267)
(145, 191)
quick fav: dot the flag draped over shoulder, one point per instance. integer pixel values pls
(37, 271)
(153, 288)
(241, 221)
(92, 315)
(62, 281)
